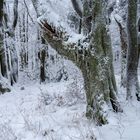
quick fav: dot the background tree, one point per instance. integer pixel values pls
(122, 21)
(9, 62)
(132, 58)
(3, 73)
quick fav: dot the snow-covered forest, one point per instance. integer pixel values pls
(69, 69)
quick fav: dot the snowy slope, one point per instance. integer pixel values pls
(123, 126)
(54, 112)
(41, 112)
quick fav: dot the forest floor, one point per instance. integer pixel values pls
(50, 112)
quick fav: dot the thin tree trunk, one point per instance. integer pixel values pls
(2, 51)
(124, 46)
(132, 62)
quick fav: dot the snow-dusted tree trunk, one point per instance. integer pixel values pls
(42, 57)
(23, 25)
(101, 85)
(94, 62)
(132, 58)
(122, 11)
(3, 67)
(2, 53)
(10, 49)
(8, 56)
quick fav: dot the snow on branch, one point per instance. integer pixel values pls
(53, 17)
(60, 34)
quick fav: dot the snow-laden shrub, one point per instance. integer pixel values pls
(45, 98)
(74, 93)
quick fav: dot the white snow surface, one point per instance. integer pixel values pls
(123, 126)
(53, 111)
(42, 112)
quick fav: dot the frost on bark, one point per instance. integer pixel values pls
(8, 57)
(132, 58)
(95, 62)
(3, 88)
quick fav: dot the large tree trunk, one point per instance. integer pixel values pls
(94, 62)
(98, 74)
(101, 85)
(132, 62)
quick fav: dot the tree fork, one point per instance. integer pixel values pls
(97, 67)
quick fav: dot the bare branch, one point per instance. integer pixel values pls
(77, 8)
(57, 43)
(44, 24)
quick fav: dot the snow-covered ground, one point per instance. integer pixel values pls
(43, 112)
(123, 126)
(54, 111)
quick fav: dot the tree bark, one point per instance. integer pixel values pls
(87, 16)
(132, 58)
